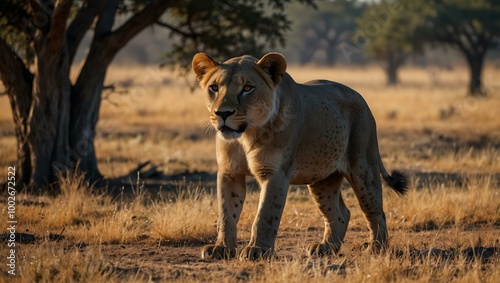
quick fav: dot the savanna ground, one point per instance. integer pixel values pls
(446, 229)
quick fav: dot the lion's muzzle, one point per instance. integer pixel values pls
(227, 127)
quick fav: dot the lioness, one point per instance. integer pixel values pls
(282, 133)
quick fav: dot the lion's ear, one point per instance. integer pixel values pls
(202, 63)
(274, 64)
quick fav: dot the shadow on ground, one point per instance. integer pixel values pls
(147, 178)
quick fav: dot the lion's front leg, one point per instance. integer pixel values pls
(265, 227)
(231, 191)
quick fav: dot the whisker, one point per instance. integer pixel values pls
(207, 127)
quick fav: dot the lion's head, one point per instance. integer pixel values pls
(241, 92)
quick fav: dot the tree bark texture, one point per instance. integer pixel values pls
(18, 81)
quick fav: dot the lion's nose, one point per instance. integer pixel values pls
(224, 114)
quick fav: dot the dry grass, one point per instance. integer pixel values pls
(477, 201)
(450, 145)
(447, 219)
(179, 219)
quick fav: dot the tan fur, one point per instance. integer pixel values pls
(287, 133)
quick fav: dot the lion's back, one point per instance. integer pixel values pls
(331, 112)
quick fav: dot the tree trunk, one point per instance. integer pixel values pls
(87, 94)
(18, 82)
(306, 54)
(85, 105)
(20, 105)
(392, 76)
(23, 163)
(392, 71)
(394, 60)
(475, 62)
(48, 128)
(331, 49)
(330, 56)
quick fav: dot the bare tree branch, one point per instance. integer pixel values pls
(139, 21)
(106, 44)
(176, 30)
(41, 15)
(99, 54)
(82, 22)
(106, 19)
(12, 68)
(58, 25)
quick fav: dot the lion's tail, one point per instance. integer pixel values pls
(397, 180)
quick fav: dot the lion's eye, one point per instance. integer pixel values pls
(213, 88)
(248, 88)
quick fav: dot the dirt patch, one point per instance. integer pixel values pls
(149, 260)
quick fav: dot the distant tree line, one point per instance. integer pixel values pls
(390, 31)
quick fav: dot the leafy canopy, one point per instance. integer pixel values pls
(222, 28)
(468, 25)
(389, 27)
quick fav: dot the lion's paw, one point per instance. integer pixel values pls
(321, 249)
(217, 252)
(256, 253)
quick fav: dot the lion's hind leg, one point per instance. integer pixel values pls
(328, 198)
(367, 186)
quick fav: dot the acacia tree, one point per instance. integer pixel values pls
(55, 118)
(473, 27)
(323, 29)
(388, 30)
